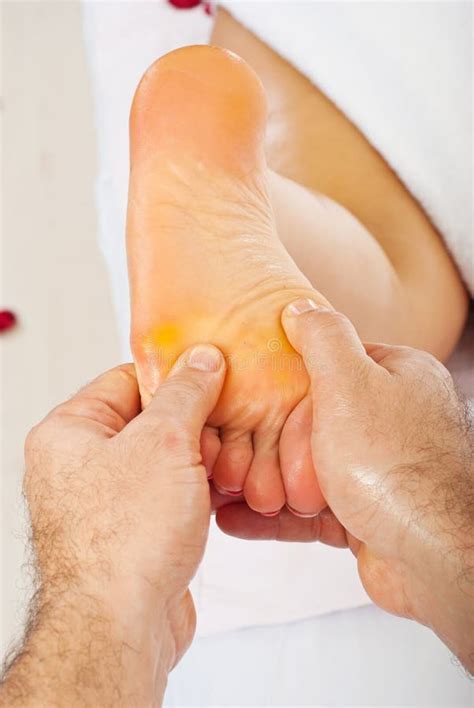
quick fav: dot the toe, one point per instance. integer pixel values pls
(303, 494)
(263, 490)
(210, 448)
(233, 462)
(218, 500)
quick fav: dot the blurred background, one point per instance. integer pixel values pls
(52, 274)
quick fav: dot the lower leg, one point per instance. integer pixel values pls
(342, 260)
(388, 268)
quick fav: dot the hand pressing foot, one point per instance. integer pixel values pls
(206, 265)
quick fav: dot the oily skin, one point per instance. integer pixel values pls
(393, 448)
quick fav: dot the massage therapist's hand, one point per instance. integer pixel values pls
(120, 509)
(392, 448)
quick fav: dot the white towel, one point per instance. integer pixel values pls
(402, 72)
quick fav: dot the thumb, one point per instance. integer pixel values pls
(326, 339)
(190, 393)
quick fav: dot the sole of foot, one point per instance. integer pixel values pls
(206, 266)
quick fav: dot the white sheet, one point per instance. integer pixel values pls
(360, 657)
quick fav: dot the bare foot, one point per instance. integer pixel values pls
(206, 265)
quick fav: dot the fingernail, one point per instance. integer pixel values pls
(300, 513)
(299, 307)
(270, 513)
(204, 358)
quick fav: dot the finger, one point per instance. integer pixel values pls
(241, 521)
(210, 448)
(326, 339)
(234, 461)
(263, 488)
(397, 359)
(303, 494)
(190, 393)
(112, 399)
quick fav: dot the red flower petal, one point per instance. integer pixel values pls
(185, 4)
(7, 320)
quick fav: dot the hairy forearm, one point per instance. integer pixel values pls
(445, 602)
(445, 557)
(78, 652)
(451, 588)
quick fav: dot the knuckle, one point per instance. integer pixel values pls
(174, 439)
(126, 371)
(185, 388)
(395, 351)
(82, 406)
(325, 325)
(421, 358)
(93, 409)
(437, 366)
(406, 359)
(166, 432)
(419, 361)
(328, 326)
(329, 320)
